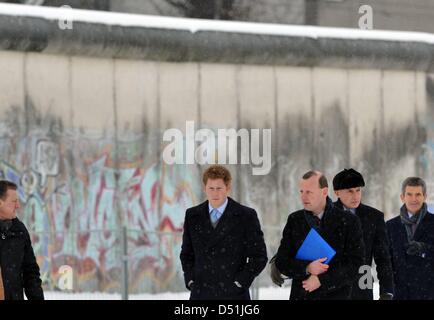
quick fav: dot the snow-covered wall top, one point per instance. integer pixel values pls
(131, 36)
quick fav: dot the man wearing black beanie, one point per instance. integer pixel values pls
(347, 186)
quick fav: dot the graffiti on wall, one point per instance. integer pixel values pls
(78, 189)
(75, 201)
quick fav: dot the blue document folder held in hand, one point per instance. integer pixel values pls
(315, 247)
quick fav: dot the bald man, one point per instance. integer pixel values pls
(315, 280)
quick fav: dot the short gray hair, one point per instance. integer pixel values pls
(414, 182)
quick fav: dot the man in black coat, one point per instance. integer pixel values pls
(315, 280)
(223, 247)
(347, 186)
(411, 238)
(18, 268)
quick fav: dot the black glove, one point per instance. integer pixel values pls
(275, 274)
(416, 248)
(386, 296)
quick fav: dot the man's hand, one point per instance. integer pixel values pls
(312, 283)
(275, 274)
(415, 248)
(317, 267)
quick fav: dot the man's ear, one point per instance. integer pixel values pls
(402, 197)
(337, 193)
(325, 191)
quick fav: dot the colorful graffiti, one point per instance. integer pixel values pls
(77, 193)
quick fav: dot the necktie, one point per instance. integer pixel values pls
(414, 225)
(313, 221)
(317, 221)
(214, 215)
(2, 289)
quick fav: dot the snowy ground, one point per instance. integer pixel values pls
(265, 293)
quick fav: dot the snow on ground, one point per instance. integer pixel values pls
(265, 293)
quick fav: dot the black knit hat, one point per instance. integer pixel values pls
(348, 178)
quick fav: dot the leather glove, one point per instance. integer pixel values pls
(386, 296)
(416, 248)
(275, 274)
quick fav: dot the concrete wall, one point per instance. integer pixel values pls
(69, 122)
(83, 117)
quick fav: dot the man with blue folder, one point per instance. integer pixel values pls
(315, 246)
(331, 273)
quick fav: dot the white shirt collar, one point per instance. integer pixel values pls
(352, 210)
(320, 215)
(220, 209)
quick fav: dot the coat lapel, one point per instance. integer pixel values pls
(330, 223)
(226, 223)
(203, 227)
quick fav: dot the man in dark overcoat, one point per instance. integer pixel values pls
(411, 239)
(19, 271)
(223, 247)
(316, 280)
(347, 186)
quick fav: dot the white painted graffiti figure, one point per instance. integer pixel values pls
(47, 159)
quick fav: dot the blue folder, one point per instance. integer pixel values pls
(315, 247)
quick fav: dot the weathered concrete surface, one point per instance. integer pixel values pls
(82, 134)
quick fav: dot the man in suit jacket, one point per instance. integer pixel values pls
(223, 247)
(347, 186)
(411, 239)
(314, 280)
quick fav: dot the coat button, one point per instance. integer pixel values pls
(3, 236)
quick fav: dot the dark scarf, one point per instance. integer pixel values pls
(315, 222)
(5, 225)
(411, 223)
